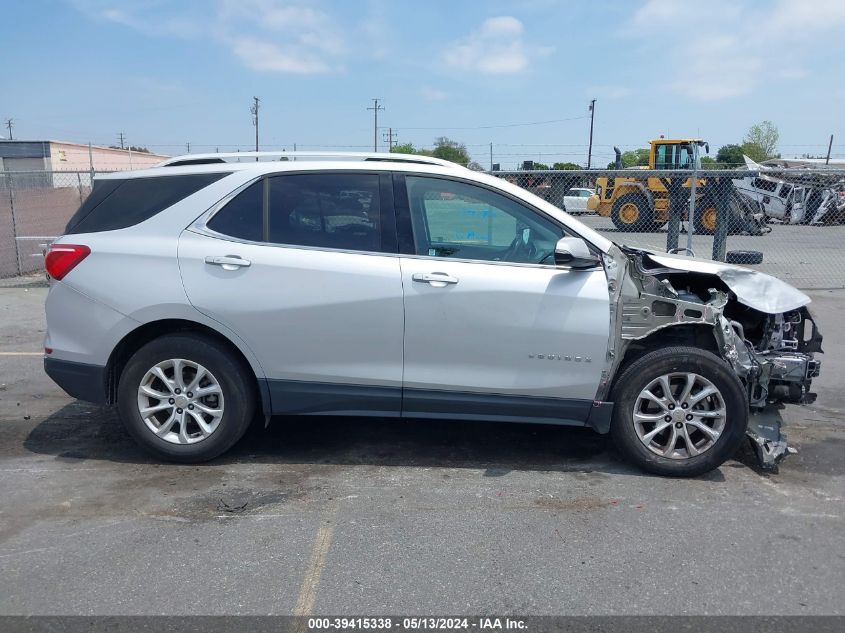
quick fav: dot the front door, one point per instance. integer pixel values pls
(492, 328)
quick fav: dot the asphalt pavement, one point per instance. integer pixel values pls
(358, 516)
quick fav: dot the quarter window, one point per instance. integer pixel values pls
(455, 219)
(242, 217)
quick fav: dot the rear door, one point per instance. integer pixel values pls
(303, 267)
(492, 328)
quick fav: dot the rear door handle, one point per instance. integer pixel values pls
(435, 279)
(228, 262)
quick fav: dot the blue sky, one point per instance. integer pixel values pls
(169, 73)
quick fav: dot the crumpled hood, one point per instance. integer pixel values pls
(752, 288)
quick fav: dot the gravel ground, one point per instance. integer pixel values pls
(357, 516)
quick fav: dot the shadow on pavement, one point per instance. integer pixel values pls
(80, 431)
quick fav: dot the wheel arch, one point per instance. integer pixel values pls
(151, 330)
(699, 335)
(633, 187)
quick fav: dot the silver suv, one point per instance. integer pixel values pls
(210, 290)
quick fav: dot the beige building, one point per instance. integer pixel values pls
(46, 156)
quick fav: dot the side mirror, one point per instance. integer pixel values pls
(573, 252)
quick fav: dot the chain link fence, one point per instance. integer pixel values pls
(34, 208)
(790, 223)
(786, 222)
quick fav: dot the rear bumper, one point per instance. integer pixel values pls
(79, 380)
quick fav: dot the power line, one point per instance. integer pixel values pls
(391, 138)
(375, 108)
(501, 125)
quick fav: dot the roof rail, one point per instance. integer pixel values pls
(225, 157)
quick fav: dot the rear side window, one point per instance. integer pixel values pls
(120, 203)
(242, 216)
(325, 210)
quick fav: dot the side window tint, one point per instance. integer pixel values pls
(242, 217)
(326, 210)
(454, 219)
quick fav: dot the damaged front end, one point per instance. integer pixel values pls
(757, 323)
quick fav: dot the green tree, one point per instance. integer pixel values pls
(450, 150)
(444, 148)
(730, 155)
(566, 166)
(764, 136)
(755, 152)
(404, 148)
(633, 158)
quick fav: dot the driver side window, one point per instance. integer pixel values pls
(464, 221)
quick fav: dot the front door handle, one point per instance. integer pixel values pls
(228, 262)
(438, 280)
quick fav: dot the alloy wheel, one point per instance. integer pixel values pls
(679, 415)
(180, 401)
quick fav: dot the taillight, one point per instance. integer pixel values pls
(62, 258)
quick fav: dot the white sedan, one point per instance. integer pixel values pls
(575, 199)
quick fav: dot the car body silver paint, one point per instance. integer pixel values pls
(81, 328)
(479, 333)
(309, 314)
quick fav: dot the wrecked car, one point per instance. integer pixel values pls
(208, 292)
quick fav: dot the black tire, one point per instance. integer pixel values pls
(705, 220)
(621, 220)
(636, 376)
(744, 257)
(235, 380)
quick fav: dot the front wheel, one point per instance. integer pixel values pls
(631, 213)
(679, 411)
(185, 398)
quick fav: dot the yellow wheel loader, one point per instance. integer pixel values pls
(642, 203)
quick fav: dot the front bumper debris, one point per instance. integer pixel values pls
(769, 443)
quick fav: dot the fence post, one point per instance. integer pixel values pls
(675, 187)
(79, 184)
(691, 217)
(14, 223)
(720, 236)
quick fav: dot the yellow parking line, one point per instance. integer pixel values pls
(21, 353)
(311, 581)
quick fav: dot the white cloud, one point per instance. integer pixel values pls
(434, 94)
(732, 48)
(268, 57)
(496, 47)
(266, 35)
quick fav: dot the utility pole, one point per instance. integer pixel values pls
(120, 136)
(829, 147)
(391, 139)
(592, 116)
(254, 111)
(375, 108)
(188, 147)
(491, 157)
(9, 124)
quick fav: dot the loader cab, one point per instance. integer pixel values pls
(676, 154)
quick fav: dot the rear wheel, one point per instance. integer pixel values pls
(185, 398)
(631, 213)
(679, 411)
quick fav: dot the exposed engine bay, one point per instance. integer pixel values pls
(757, 323)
